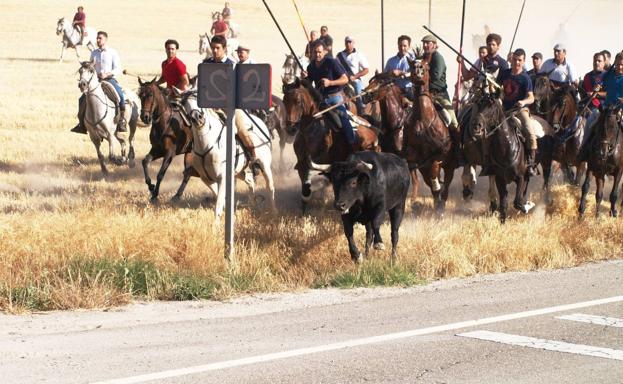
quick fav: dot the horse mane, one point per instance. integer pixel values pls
(315, 94)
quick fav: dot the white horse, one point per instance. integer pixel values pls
(100, 119)
(72, 37)
(204, 43)
(209, 150)
(291, 69)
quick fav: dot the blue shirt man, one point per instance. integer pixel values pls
(399, 65)
(613, 84)
(329, 77)
(516, 87)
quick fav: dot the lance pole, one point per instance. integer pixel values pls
(307, 37)
(457, 90)
(283, 35)
(517, 27)
(489, 79)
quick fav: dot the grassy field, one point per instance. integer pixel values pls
(69, 239)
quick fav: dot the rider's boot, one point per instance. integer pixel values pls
(532, 162)
(81, 128)
(122, 125)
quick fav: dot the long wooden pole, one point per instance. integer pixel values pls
(283, 35)
(382, 36)
(307, 37)
(457, 90)
(510, 50)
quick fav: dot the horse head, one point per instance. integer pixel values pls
(147, 94)
(419, 72)
(301, 101)
(542, 94)
(610, 133)
(486, 114)
(204, 43)
(88, 76)
(563, 108)
(60, 26)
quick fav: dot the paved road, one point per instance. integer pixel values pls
(546, 327)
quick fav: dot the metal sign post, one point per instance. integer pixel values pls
(248, 86)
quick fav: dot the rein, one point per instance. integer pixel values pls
(104, 101)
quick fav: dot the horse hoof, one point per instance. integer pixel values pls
(493, 206)
(467, 194)
(153, 200)
(131, 163)
(379, 246)
(151, 187)
(176, 198)
(614, 213)
(358, 258)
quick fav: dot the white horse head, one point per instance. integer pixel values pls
(204, 43)
(88, 80)
(60, 26)
(291, 69)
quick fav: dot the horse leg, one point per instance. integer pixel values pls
(306, 191)
(469, 181)
(270, 184)
(100, 156)
(189, 171)
(146, 161)
(585, 187)
(436, 187)
(614, 194)
(448, 175)
(415, 185)
(580, 170)
(220, 200)
(500, 182)
(599, 193)
(493, 195)
(166, 161)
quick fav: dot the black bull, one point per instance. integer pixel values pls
(365, 186)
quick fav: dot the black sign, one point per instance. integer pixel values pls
(251, 83)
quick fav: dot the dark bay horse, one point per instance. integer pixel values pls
(170, 135)
(605, 158)
(506, 153)
(427, 142)
(316, 138)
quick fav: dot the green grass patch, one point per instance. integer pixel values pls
(374, 273)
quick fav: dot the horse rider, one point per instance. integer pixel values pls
(612, 84)
(517, 94)
(607, 56)
(491, 63)
(227, 12)
(173, 69)
(107, 66)
(591, 80)
(80, 22)
(218, 46)
(326, 39)
(399, 66)
(537, 62)
(560, 71)
(243, 55)
(313, 38)
(330, 78)
(356, 66)
(438, 89)
(219, 27)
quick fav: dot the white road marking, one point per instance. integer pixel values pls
(592, 319)
(550, 345)
(356, 342)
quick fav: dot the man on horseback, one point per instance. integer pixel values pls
(612, 84)
(537, 62)
(79, 22)
(219, 27)
(173, 69)
(399, 66)
(356, 66)
(107, 66)
(517, 95)
(218, 45)
(243, 55)
(439, 90)
(558, 69)
(492, 63)
(329, 78)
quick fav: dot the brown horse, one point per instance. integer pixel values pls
(605, 158)
(506, 152)
(316, 138)
(427, 139)
(170, 135)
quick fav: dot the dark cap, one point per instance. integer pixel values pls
(537, 55)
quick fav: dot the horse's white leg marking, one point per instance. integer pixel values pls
(270, 184)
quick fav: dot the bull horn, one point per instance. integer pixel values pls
(319, 167)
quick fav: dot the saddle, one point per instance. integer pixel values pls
(443, 113)
(112, 95)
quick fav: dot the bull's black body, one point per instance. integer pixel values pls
(364, 194)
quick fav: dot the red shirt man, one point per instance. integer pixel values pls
(173, 69)
(80, 20)
(219, 27)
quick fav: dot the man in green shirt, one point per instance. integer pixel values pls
(439, 90)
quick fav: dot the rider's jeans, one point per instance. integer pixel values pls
(358, 85)
(590, 123)
(118, 89)
(347, 129)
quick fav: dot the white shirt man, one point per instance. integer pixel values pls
(243, 55)
(558, 69)
(356, 66)
(107, 62)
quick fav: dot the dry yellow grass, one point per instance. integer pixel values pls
(69, 239)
